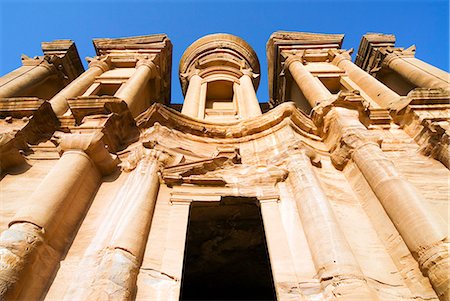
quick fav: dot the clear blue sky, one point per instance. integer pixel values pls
(24, 24)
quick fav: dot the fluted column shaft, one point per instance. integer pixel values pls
(424, 234)
(28, 79)
(333, 257)
(313, 90)
(130, 91)
(191, 103)
(248, 94)
(27, 231)
(376, 90)
(78, 86)
(418, 72)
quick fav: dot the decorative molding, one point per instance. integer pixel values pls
(230, 131)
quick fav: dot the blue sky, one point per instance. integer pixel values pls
(24, 24)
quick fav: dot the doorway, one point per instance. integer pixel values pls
(226, 255)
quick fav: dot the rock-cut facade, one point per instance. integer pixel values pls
(337, 188)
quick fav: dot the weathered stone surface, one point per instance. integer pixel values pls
(339, 191)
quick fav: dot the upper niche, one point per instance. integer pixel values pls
(219, 95)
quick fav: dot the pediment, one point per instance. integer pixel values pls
(223, 170)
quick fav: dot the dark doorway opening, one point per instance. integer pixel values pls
(226, 254)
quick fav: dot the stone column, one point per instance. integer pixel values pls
(417, 72)
(337, 268)
(191, 103)
(242, 110)
(33, 225)
(424, 234)
(30, 77)
(248, 93)
(116, 271)
(78, 86)
(314, 91)
(376, 90)
(284, 276)
(130, 91)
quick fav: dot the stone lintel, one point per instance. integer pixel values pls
(70, 63)
(370, 43)
(158, 45)
(283, 41)
(189, 193)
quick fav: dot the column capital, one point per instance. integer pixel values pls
(297, 148)
(348, 135)
(390, 54)
(148, 63)
(150, 151)
(102, 62)
(93, 146)
(298, 57)
(190, 74)
(249, 72)
(338, 55)
(41, 61)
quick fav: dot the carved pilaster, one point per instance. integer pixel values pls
(113, 270)
(337, 269)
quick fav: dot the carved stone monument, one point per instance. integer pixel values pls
(336, 189)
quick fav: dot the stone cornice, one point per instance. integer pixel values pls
(64, 54)
(370, 43)
(233, 131)
(378, 50)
